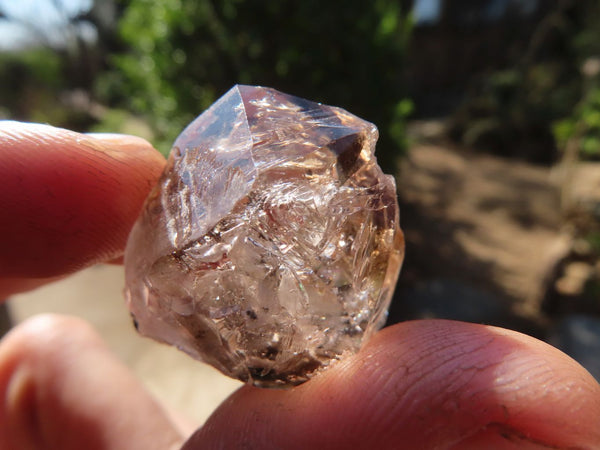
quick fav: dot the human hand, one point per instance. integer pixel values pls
(69, 201)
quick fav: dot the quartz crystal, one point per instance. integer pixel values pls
(270, 246)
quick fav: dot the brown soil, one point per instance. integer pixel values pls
(488, 221)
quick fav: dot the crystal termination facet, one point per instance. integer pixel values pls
(270, 246)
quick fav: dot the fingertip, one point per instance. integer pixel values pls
(70, 199)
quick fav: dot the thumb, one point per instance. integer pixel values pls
(423, 385)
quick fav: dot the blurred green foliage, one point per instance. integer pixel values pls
(594, 240)
(22, 72)
(583, 121)
(122, 121)
(184, 54)
(583, 125)
(531, 108)
(34, 88)
(512, 112)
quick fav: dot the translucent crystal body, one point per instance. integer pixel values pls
(271, 245)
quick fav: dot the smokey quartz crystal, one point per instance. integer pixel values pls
(270, 246)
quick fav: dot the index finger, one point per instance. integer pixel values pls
(68, 200)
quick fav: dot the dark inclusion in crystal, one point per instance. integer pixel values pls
(270, 247)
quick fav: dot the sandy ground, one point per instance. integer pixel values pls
(488, 220)
(190, 387)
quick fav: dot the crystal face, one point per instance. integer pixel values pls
(270, 246)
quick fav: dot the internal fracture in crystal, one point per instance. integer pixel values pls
(270, 246)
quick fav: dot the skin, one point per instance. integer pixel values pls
(72, 200)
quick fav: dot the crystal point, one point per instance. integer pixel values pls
(270, 246)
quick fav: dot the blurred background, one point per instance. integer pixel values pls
(489, 115)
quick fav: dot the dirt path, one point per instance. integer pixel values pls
(474, 217)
